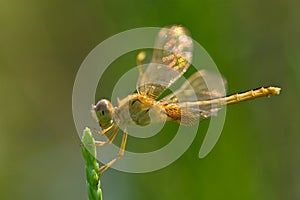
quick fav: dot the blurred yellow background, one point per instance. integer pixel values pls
(254, 43)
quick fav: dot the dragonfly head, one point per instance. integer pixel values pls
(103, 110)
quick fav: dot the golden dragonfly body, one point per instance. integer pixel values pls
(192, 101)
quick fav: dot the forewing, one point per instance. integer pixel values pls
(171, 58)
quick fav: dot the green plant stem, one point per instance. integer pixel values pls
(91, 167)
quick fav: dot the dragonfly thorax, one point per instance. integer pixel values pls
(137, 109)
(139, 112)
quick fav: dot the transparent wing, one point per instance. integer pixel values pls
(192, 111)
(196, 88)
(201, 96)
(171, 58)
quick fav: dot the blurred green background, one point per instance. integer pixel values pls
(254, 43)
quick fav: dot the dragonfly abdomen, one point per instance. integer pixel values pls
(173, 111)
(182, 116)
(251, 94)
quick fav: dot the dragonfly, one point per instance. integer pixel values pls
(193, 101)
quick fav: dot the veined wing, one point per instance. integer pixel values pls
(171, 58)
(198, 98)
(186, 112)
(202, 85)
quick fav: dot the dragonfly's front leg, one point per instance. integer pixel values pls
(121, 153)
(104, 131)
(111, 137)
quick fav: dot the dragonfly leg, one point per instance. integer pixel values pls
(121, 153)
(105, 131)
(110, 139)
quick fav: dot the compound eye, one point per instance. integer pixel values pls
(103, 111)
